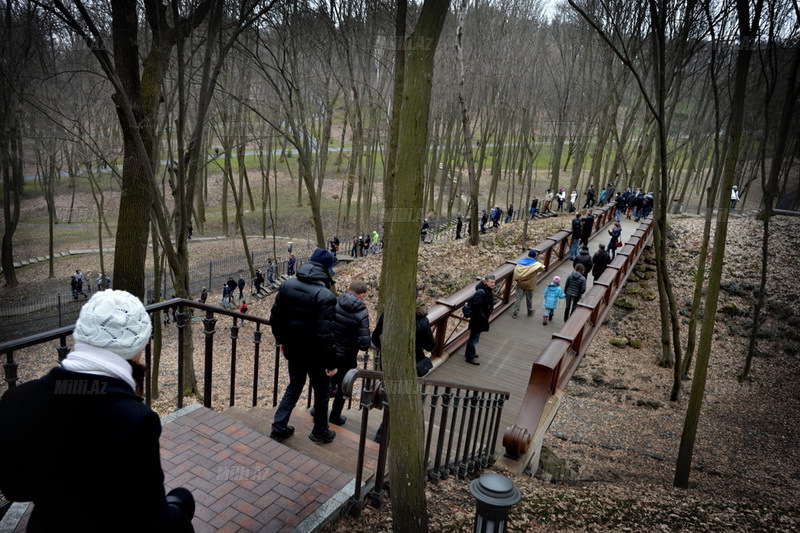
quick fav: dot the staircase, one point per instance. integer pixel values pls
(342, 453)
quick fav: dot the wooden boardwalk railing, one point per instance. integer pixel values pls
(449, 325)
(553, 369)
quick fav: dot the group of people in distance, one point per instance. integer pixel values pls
(78, 278)
(365, 244)
(480, 305)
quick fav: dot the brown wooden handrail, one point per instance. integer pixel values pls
(553, 369)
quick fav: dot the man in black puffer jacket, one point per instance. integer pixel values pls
(574, 288)
(352, 334)
(302, 321)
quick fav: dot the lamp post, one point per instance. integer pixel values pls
(495, 494)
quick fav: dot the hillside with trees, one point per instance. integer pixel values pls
(271, 117)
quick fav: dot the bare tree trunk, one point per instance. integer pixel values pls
(11, 167)
(474, 179)
(768, 189)
(747, 32)
(158, 276)
(406, 465)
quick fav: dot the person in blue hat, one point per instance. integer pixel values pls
(302, 321)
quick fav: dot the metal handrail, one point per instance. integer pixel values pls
(184, 309)
(461, 428)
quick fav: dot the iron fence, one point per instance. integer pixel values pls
(52, 311)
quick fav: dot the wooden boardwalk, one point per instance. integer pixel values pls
(508, 350)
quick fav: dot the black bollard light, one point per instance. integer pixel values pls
(495, 494)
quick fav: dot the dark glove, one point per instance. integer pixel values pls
(183, 500)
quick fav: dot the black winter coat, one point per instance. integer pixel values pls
(424, 336)
(303, 316)
(351, 327)
(483, 304)
(601, 260)
(587, 225)
(576, 228)
(84, 449)
(575, 284)
(583, 258)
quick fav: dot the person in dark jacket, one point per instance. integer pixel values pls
(291, 264)
(226, 296)
(630, 202)
(611, 190)
(600, 260)
(574, 288)
(80, 443)
(587, 225)
(424, 341)
(482, 304)
(302, 321)
(615, 233)
(241, 283)
(232, 286)
(589, 197)
(584, 259)
(258, 281)
(351, 330)
(620, 205)
(424, 334)
(576, 236)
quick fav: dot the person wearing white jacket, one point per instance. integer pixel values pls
(734, 196)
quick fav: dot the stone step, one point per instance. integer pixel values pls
(341, 454)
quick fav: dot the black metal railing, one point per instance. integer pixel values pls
(461, 427)
(58, 309)
(213, 321)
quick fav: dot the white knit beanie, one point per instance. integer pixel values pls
(115, 321)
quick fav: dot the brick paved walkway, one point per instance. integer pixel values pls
(241, 480)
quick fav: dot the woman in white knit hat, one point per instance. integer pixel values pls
(80, 443)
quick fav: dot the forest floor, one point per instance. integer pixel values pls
(617, 434)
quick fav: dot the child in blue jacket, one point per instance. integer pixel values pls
(551, 296)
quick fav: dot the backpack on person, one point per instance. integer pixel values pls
(469, 308)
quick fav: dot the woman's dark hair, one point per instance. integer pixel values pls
(139, 371)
